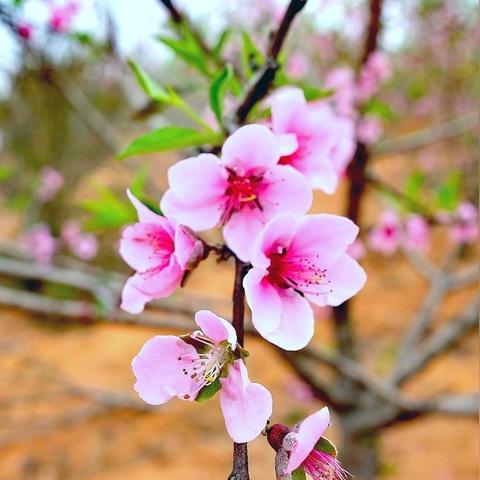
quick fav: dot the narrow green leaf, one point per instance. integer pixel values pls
(222, 40)
(206, 393)
(252, 58)
(188, 52)
(414, 185)
(165, 138)
(6, 172)
(148, 84)
(448, 194)
(326, 446)
(379, 108)
(298, 474)
(218, 89)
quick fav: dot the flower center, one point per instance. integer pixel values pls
(206, 366)
(300, 273)
(242, 192)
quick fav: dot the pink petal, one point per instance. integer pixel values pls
(215, 327)
(263, 300)
(241, 230)
(149, 285)
(275, 236)
(246, 406)
(145, 215)
(287, 191)
(347, 278)
(287, 143)
(138, 249)
(251, 148)
(198, 180)
(324, 237)
(188, 248)
(295, 326)
(309, 432)
(287, 104)
(197, 217)
(159, 372)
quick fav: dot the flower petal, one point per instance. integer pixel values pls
(309, 432)
(251, 148)
(346, 278)
(246, 406)
(275, 236)
(198, 180)
(323, 237)
(188, 248)
(287, 142)
(197, 217)
(287, 104)
(263, 300)
(296, 324)
(241, 229)
(145, 215)
(159, 372)
(215, 327)
(146, 286)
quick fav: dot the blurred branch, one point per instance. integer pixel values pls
(262, 82)
(428, 136)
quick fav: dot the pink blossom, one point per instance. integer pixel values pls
(83, 245)
(357, 249)
(313, 139)
(369, 129)
(39, 243)
(342, 81)
(376, 70)
(160, 251)
(169, 366)
(25, 30)
(299, 390)
(242, 190)
(465, 228)
(417, 233)
(301, 448)
(51, 181)
(298, 65)
(386, 236)
(297, 261)
(61, 16)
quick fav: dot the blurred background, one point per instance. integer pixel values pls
(69, 103)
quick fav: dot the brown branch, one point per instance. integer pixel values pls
(262, 82)
(240, 452)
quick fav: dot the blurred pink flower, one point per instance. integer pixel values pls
(369, 129)
(297, 449)
(298, 65)
(465, 228)
(373, 73)
(386, 236)
(357, 249)
(295, 262)
(342, 81)
(61, 16)
(167, 367)
(160, 251)
(51, 181)
(417, 233)
(242, 190)
(313, 140)
(25, 30)
(83, 245)
(39, 242)
(299, 390)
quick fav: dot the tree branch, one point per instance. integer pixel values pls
(262, 82)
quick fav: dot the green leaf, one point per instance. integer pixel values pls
(379, 108)
(448, 194)
(326, 446)
(218, 89)
(6, 172)
(298, 474)
(222, 40)
(251, 57)
(206, 393)
(166, 138)
(108, 210)
(189, 52)
(148, 84)
(414, 185)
